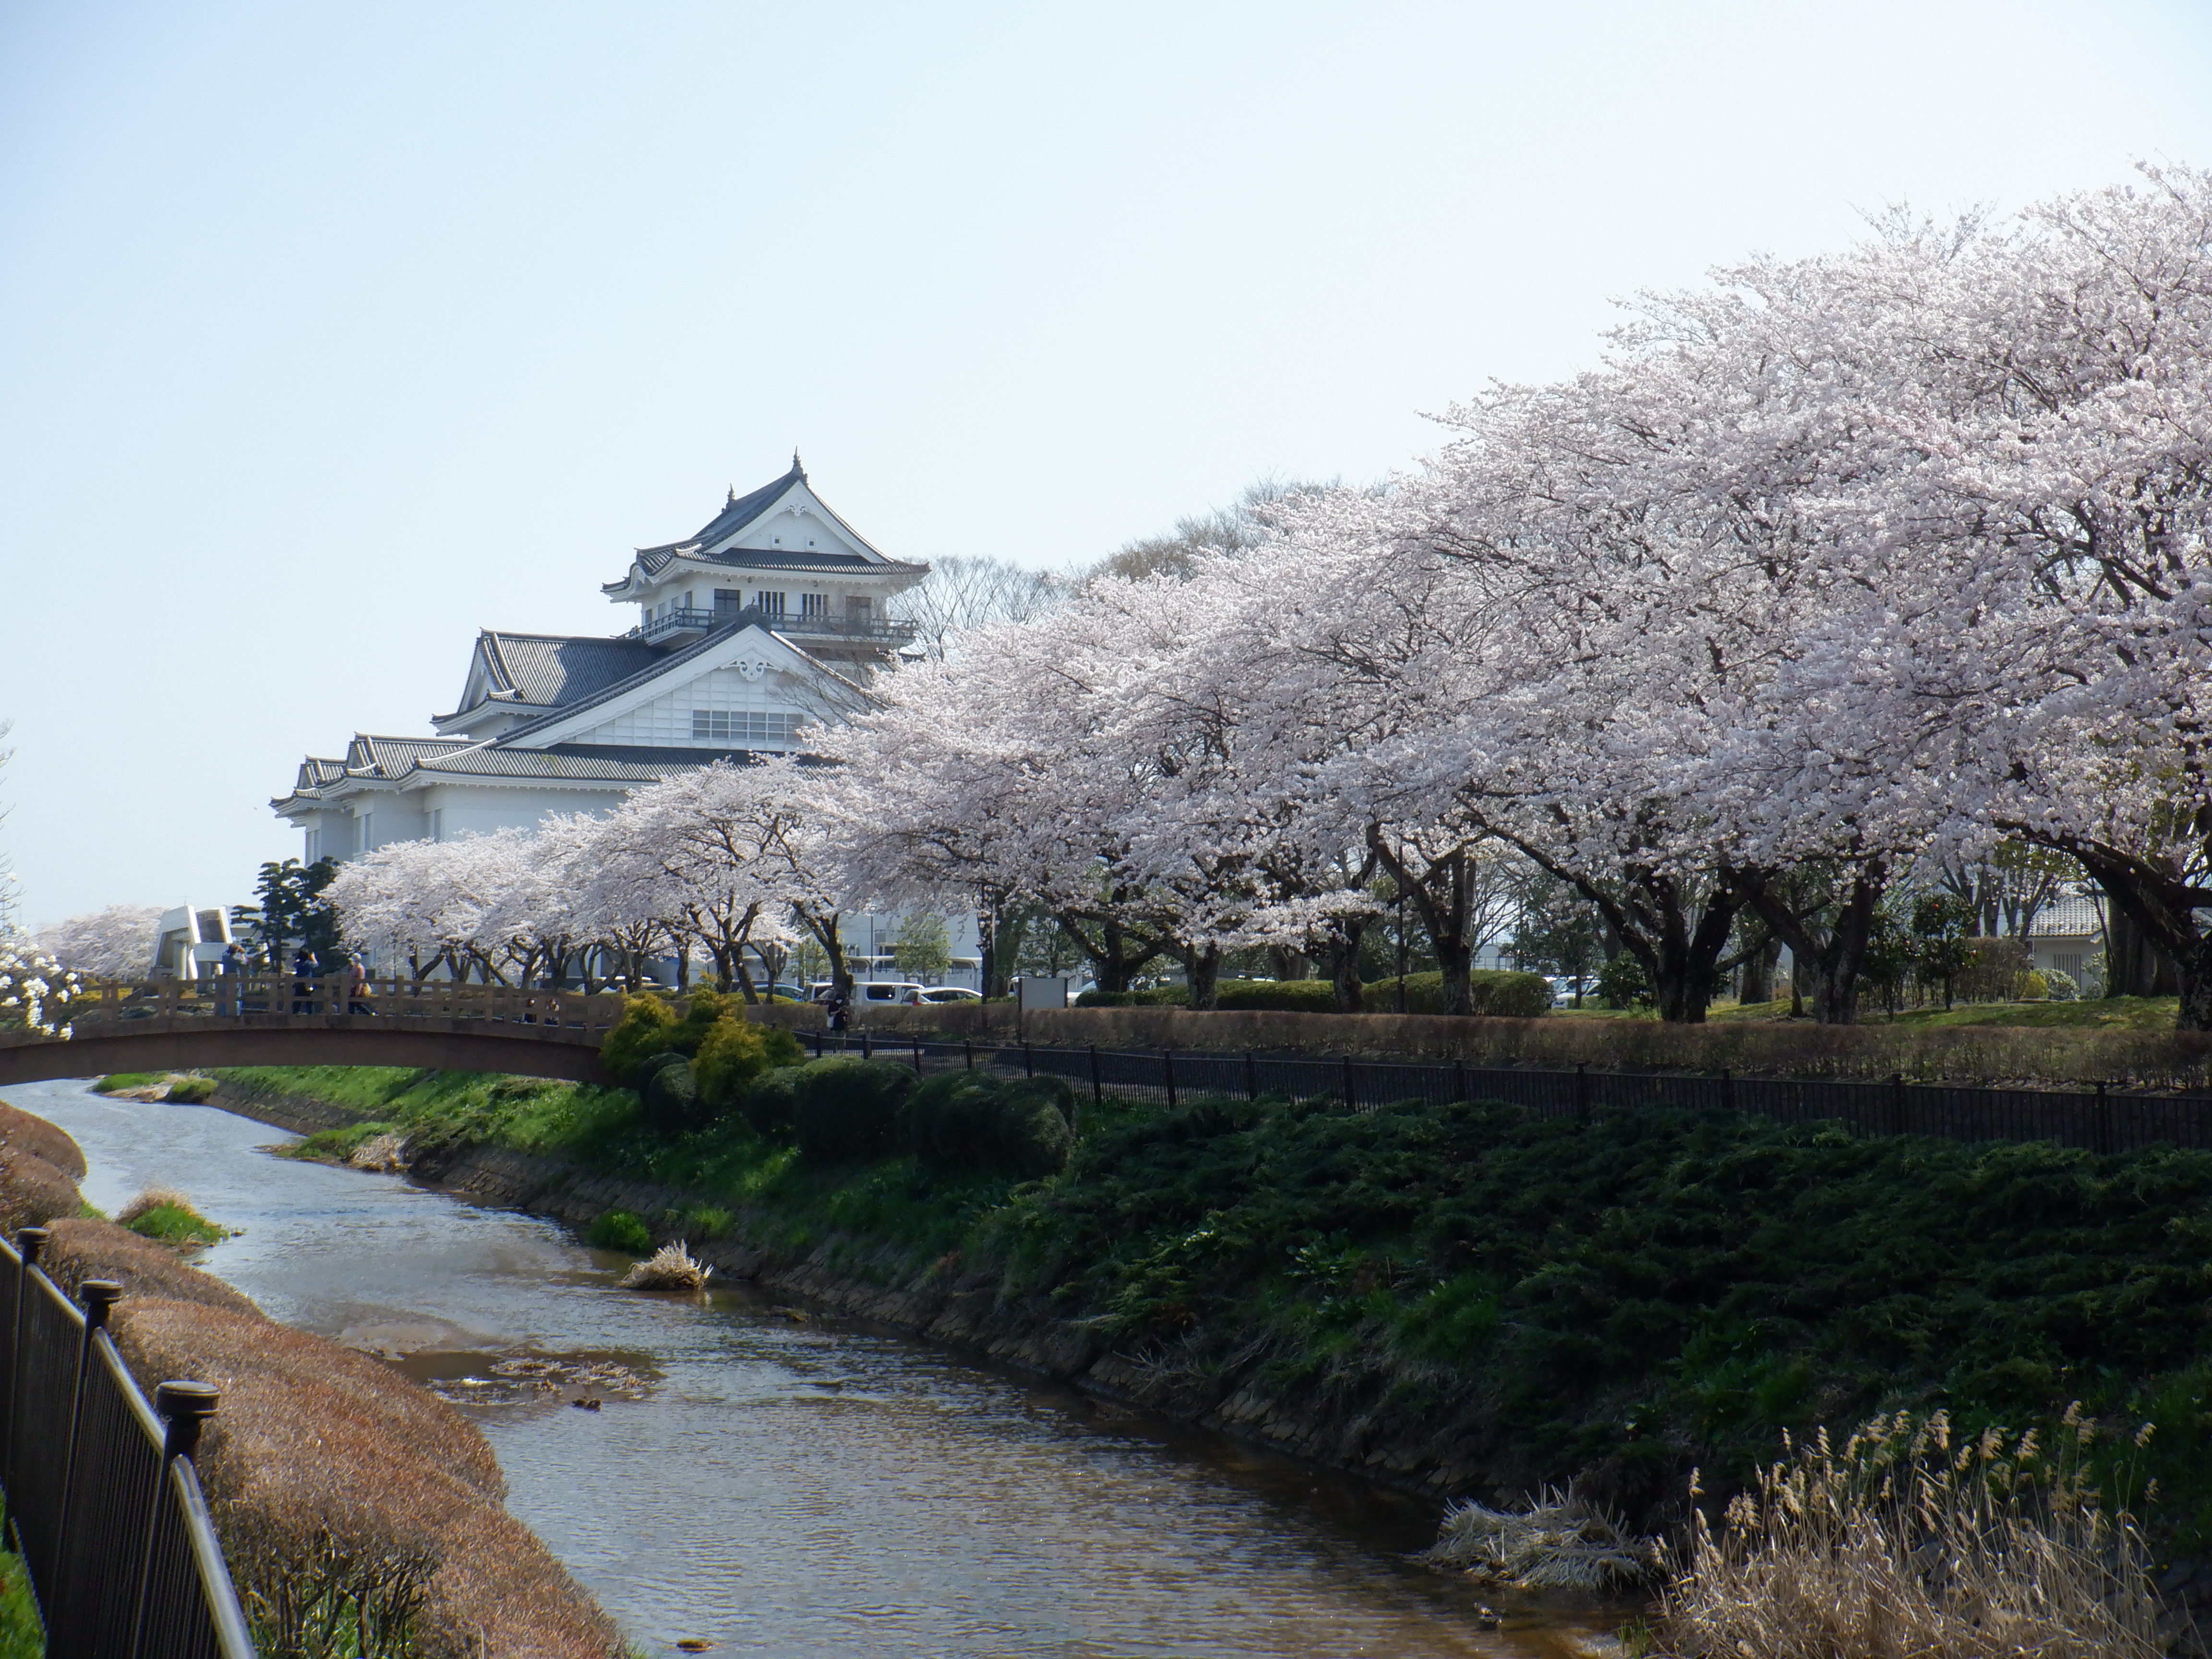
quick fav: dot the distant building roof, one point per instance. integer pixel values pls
(2075, 917)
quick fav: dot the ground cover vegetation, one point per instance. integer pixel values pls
(1619, 1301)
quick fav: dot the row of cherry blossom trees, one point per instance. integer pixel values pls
(1835, 569)
(724, 864)
(1835, 573)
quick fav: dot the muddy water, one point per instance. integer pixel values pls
(774, 1481)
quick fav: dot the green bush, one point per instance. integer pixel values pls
(976, 1120)
(1303, 996)
(115, 1080)
(735, 1051)
(622, 1229)
(669, 1092)
(1497, 994)
(850, 1108)
(648, 1027)
(191, 1091)
(771, 1102)
(177, 1224)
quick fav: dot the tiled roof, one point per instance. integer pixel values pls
(549, 670)
(318, 768)
(368, 756)
(546, 764)
(743, 510)
(2067, 918)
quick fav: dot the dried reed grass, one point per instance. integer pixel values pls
(48, 1140)
(670, 1267)
(33, 1192)
(1559, 1541)
(380, 1154)
(358, 1509)
(153, 1198)
(81, 1249)
(1903, 1543)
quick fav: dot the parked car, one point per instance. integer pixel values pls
(950, 994)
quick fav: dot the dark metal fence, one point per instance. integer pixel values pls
(2101, 1120)
(103, 1500)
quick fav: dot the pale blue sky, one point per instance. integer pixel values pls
(328, 335)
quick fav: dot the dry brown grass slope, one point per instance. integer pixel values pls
(79, 1249)
(35, 1134)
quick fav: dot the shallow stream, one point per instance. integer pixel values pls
(771, 1479)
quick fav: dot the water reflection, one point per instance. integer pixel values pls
(801, 1484)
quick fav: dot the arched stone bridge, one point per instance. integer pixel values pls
(262, 1020)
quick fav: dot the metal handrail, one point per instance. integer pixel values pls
(103, 1499)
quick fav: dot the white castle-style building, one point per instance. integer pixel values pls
(774, 616)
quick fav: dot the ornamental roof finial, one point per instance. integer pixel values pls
(732, 501)
(795, 465)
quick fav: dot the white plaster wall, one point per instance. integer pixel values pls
(666, 722)
(468, 810)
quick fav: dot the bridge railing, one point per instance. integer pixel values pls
(103, 1499)
(260, 995)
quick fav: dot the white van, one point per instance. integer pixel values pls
(873, 990)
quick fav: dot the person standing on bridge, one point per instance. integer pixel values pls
(358, 988)
(303, 969)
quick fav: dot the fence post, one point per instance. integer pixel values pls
(867, 1048)
(916, 1036)
(1350, 1103)
(1896, 1103)
(1167, 1066)
(1251, 1077)
(1728, 1087)
(1582, 1092)
(816, 1038)
(1097, 1090)
(29, 1241)
(967, 1046)
(1028, 1060)
(1459, 1078)
(185, 1408)
(2101, 1135)
(98, 1296)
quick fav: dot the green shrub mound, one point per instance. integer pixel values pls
(734, 1052)
(669, 1094)
(771, 1102)
(974, 1121)
(847, 1109)
(621, 1229)
(191, 1091)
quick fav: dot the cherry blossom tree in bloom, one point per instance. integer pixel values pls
(117, 942)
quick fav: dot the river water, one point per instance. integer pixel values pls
(774, 1480)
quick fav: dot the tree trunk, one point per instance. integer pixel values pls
(1831, 951)
(1114, 955)
(2152, 913)
(1340, 957)
(1757, 984)
(2134, 966)
(1202, 964)
(1439, 895)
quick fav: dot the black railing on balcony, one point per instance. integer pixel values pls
(690, 619)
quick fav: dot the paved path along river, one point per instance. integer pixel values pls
(774, 1482)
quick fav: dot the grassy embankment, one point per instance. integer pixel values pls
(1623, 1300)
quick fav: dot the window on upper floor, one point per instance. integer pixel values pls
(746, 726)
(770, 603)
(813, 604)
(729, 598)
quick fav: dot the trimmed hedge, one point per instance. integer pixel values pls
(845, 1108)
(1499, 995)
(967, 1120)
